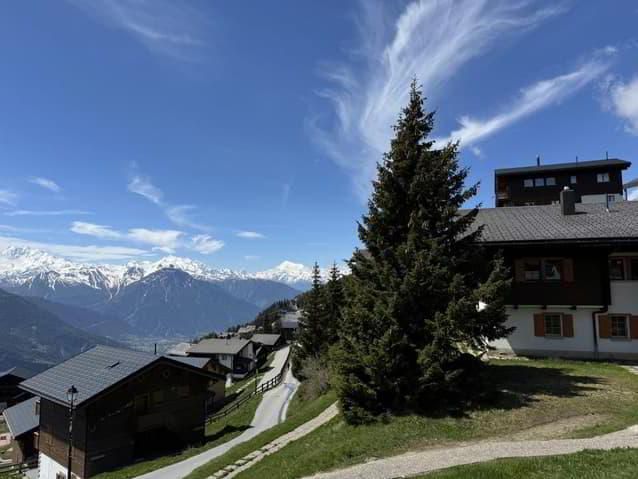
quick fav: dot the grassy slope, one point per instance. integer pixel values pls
(217, 433)
(618, 463)
(302, 414)
(528, 394)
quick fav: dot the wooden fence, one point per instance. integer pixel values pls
(262, 388)
(16, 470)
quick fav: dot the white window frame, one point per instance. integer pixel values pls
(573, 180)
(550, 181)
(611, 326)
(528, 183)
(602, 178)
(560, 322)
(539, 182)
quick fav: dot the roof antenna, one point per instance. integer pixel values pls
(607, 154)
(155, 349)
(576, 158)
(538, 160)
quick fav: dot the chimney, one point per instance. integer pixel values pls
(567, 201)
(538, 160)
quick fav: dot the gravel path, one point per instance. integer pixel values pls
(269, 413)
(414, 463)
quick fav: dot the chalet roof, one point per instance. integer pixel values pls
(546, 223)
(219, 346)
(266, 339)
(18, 372)
(290, 320)
(92, 372)
(192, 361)
(580, 165)
(180, 349)
(22, 418)
(631, 184)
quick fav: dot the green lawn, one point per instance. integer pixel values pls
(615, 464)
(548, 398)
(304, 413)
(217, 433)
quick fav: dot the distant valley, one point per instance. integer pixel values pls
(169, 298)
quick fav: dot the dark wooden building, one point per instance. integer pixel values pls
(129, 404)
(593, 182)
(10, 393)
(23, 421)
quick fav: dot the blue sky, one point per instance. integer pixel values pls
(244, 134)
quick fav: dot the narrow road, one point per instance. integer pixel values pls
(270, 412)
(415, 463)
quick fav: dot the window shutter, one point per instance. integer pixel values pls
(633, 327)
(568, 270)
(568, 325)
(604, 326)
(539, 324)
(519, 270)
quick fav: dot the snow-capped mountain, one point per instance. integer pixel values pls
(292, 274)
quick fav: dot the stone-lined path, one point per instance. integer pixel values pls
(415, 463)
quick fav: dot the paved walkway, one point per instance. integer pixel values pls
(415, 463)
(278, 362)
(270, 412)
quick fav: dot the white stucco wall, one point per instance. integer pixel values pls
(624, 300)
(226, 360)
(50, 468)
(522, 340)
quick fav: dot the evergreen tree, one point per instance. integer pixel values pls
(334, 303)
(312, 336)
(411, 315)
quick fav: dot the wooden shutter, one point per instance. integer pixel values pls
(519, 270)
(568, 325)
(633, 327)
(568, 270)
(604, 326)
(539, 324)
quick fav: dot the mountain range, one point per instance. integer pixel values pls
(167, 298)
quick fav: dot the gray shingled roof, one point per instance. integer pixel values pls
(92, 372)
(219, 346)
(562, 166)
(191, 361)
(180, 349)
(22, 418)
(18, 372)
(266, 339)
(546, 223)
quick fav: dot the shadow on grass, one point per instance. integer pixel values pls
(507, 387)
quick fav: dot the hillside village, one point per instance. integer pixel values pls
(457, 336)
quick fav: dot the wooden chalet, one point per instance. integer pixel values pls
(10, 393)
(129, 404)
(23, 421)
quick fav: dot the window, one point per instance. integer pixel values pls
(528, 183)
(158, 397)
(551, 181)
(539, 182)
(619, 328)
(553, 325)
(37, 408)
(611, 198)
(573, 180)
(602, 177)
(633, 270)
(617, 269)
(552, 269)
(532, 270)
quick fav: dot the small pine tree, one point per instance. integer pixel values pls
(312, 339)
(411, 316)
(334, 303)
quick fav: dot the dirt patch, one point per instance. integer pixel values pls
(558, 429)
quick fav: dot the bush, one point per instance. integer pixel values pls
(316, 379)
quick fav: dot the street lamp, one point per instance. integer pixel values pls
(71, 396)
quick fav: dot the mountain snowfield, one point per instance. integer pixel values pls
(21, 265)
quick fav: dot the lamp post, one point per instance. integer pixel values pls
(71, 395)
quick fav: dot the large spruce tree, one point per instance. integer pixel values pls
(312, 336)
(412, 311)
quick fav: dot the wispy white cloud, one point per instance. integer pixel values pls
(8, 197)
(251, 257)
(46, 183)
(89, 253)
(531, 99)
(624, 102)
(163, 26)
(205, 244)
(161, 240)
(142, 185)
(431, 40)
(250, 235)
(47, 212)
(98, 231)
(181, 215)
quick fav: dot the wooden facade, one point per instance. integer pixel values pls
(160, 408)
